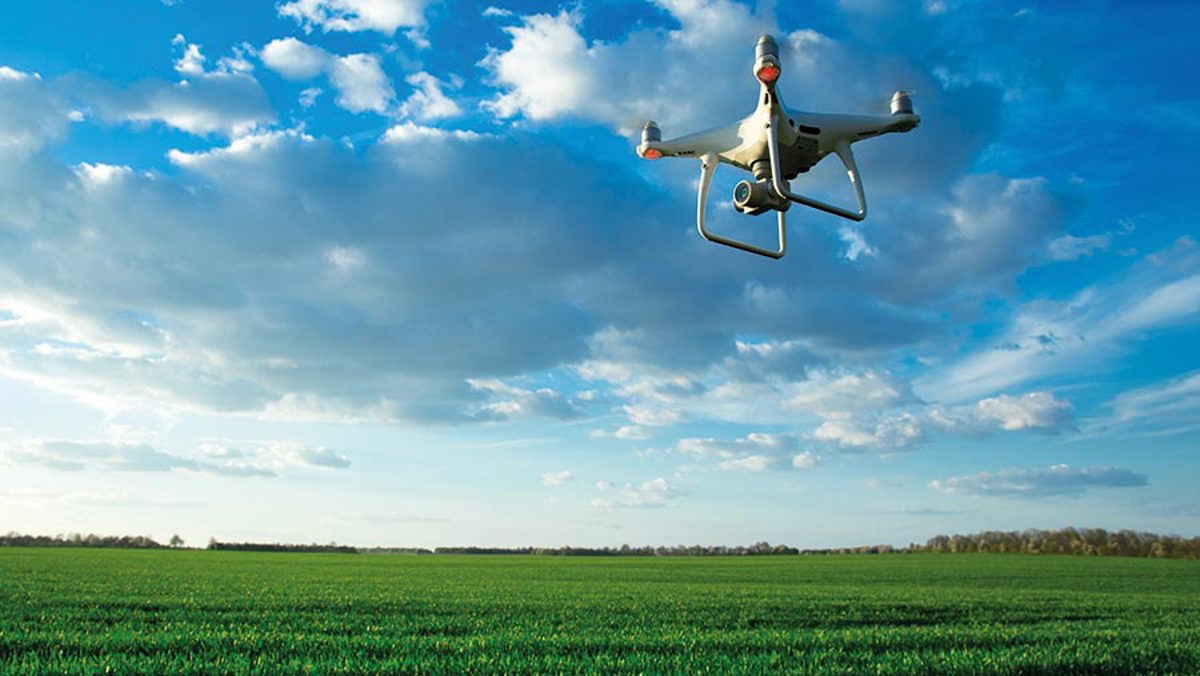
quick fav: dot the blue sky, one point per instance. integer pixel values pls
(388, 272)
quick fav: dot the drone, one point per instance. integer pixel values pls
(776, 145)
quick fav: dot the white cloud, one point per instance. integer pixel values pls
(806, 460)
(655, 493)
(308, 97)
(191, 61)
(546, 68)
(408, 132)
(1035, 410)
(1053, 481)
(245, 148)
(756, 452)
(844, 395)
(99, 174)
(989, 228)
(32, 113)
(294, 59)
(631, 433)
(11, 74)
(1038, 411)
(227, 100)
(76, 456)
(1044, 338)
(653, 417)
(358, 79)
(346, 259)
(1172, 301)
(428, 102)
(229, 104)
(511, 402)
(625, 432)
(384, 16)
(317, 457)
(557, 478)
(754, 443)
(856, 244)
(361, 83)
(551, 71)
(238, 61)
(1171, 406)
(266, 458)
(751, 463)
(1069, 247)
(891, 432)
(119, 456)
(238, 285)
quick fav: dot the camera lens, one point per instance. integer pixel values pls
(741, 192)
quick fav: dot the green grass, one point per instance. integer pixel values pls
(74, 611)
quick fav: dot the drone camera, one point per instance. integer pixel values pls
(756, 197)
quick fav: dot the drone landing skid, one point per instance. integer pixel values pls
(708, 166)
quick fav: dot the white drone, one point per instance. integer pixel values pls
(776, 145)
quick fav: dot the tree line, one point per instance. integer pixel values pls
(79, 540)
(1065, 541)
(1077, 541)
(758, 549)
(331, 548)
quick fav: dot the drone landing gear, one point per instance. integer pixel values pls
(708, 166)
(844, 153)
(777, 192)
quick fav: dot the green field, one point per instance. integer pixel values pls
(87, 611)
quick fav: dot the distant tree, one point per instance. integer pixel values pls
(176, 541)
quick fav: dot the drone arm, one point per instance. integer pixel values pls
(716, 140)
(844, 153)
(708, 166)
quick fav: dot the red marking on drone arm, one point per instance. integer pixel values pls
(768, 73)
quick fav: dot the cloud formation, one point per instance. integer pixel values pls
(1056, 480)
(755, 452)
(359, 80)
(225, 100)
(557, 478)
(653, 494)
(1167, 407)
(31, 113)
(1045, 338)
(510, 402)
(117, 456)
(1035, 410)
(384, 16)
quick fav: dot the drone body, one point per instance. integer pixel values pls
(776, 145)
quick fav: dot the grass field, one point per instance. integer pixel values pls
(68, 611)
